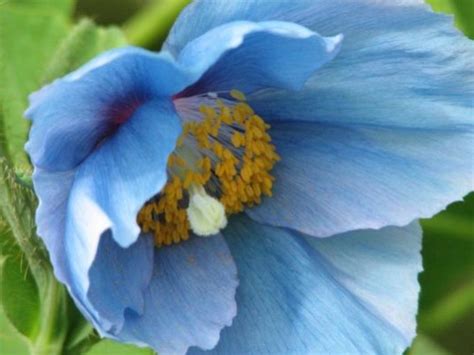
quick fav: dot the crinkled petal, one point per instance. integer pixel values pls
(118, 279)
(355, 293)
(202, 16)
(417, 72)
(332, 179)
(73, 114)
(53, 191)
(109, 189)
(248, 56)
(189, 299)
(401, 64)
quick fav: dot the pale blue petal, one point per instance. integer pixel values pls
(202, 16)
(248, 56)
(52, 190)
(109, 189)
(332, 179)
(355, 293)
(189, 300)
(401, 64)
(118, 279)
(73, 114)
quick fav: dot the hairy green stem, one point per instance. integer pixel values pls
(17, 208)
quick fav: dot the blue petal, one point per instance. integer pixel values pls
(354, 293)
(79, 208)
(248, 56)
(199, 18)
(118, 279)
(332, 179)
(73, 114)
(52, 190)
(189, 300)
(112, 185)
(401, 64)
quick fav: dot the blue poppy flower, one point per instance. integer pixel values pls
(154, 173)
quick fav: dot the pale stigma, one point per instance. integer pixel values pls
(206, 215)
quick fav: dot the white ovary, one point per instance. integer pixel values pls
(206, 214)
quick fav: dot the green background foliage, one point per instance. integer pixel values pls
(41, 40)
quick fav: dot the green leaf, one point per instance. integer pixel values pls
(11, 341)
(19, 296)
(106, 347)
(29, 35)
(18, 290)
(83, 43)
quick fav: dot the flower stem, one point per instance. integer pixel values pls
(53, 325)
(150, 26)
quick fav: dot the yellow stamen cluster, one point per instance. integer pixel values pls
(164, 217)
(242, 157)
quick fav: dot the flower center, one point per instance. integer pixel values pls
(221, 165)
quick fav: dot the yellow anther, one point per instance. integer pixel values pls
(226, 115)
(244, 109)
(207, 111)
(237, 139)
(218, 150)
(238, 95)
(227, 154)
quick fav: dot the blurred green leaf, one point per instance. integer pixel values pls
(449, 309)
(448, 249)
(109, 347)
(29, 34)
(447, 289)
(83, 43)
(63, 7)
(426, 346)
